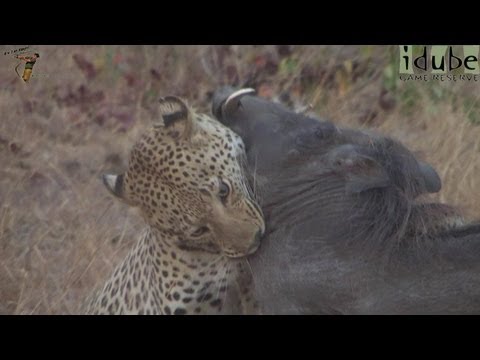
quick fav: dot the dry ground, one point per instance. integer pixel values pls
(61, 234)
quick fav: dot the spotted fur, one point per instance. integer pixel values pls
(185, 174)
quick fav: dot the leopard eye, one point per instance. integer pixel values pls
(224, 190)
(200, 231)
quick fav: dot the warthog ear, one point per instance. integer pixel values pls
(361, 172)
(433, 183)
(114, 184)
(175, 117)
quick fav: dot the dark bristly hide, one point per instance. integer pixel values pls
(346, 230)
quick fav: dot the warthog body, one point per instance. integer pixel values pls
(346, 233)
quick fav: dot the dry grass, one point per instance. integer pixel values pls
(61, 233)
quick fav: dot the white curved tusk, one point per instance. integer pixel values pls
(232, 101)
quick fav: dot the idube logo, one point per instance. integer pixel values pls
(439, 62)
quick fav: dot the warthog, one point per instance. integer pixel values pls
(346, 231)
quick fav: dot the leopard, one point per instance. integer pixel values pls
(186, 176)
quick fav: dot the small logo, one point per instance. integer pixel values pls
(439, 62)
(30, 60)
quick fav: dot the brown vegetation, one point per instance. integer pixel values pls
(61, 233)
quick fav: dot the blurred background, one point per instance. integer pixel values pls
(61, 233)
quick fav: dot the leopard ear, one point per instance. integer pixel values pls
(175, 117)
(114, 184)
